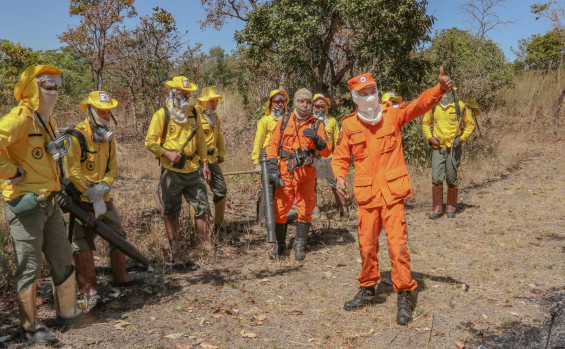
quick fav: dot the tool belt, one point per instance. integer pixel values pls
(180, 164)
(298, 157)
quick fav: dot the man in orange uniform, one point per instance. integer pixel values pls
(295, 140)
(373, 135)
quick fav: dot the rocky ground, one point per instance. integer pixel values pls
(491, 278)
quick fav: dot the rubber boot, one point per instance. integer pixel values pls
(437, 201)
(365, 296)
(404, 304)
(451, 205)
(219, 212)
(341, 204)
(280, 246)
(120, 277)
(65, 303)
(34, 330)
(85, 272)
(302, 229)
(173, 235)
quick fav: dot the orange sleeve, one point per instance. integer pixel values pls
(274, 141)
(341, 158)
(328, 149)
(420, 105)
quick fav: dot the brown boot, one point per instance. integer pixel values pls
(173, 235)
(120, 277)
(341, 204)
(451, 206)
(437, 201)
(85, 272)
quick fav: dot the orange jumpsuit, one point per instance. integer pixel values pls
(381, 185)
(300, 185)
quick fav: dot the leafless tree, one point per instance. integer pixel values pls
(483, 16)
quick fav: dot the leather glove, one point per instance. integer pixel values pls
(96, 192)
(99, 208)
(17, 178)
(274, 174)
(319, 143)
(456, 142)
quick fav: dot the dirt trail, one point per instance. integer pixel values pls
(491, 278)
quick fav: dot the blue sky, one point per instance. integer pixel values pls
(44, 20)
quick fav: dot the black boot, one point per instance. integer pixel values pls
(404, 304)
(280, 246)
(365, 296)
(302, 229)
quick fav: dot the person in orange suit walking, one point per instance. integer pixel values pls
(295, 140)
(373, 135)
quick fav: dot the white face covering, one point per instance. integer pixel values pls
(211, 116)
(446, 99)
(47, 100)
(177, 114)
(98, 119)
(369, 110)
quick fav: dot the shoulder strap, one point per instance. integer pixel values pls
(284, 122)
(434, 109)
(457, 108)
(165, 126)
(81, 141)
(109, 155)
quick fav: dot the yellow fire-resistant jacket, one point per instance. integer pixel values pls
(214, 137)
(22, 143)
(445, 123)
(100, 165)
(332, 130)
(265, 127)
(177, 135)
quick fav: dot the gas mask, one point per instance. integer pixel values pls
(180, 100)
(369, 110)
(446, 99)
(323, 117)
(100, 130)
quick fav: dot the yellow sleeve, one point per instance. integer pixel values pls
(335, 133)
(11, 131)
(201, 146)
(220, 145)
(427, 124)
(259, 139)
(154, 132)
(73, 166)
(110, 175)
(469, 121)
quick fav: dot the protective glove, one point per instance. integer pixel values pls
(274, 174)
(99, 208)
(319, 143)
(96, 192)
(17, 178)
(456, 142)
(257, 169)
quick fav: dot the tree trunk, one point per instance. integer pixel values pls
(132, 102)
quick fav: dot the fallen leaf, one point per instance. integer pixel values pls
(485, 316)
(247, 334)
(174, 335)
(261, 317)
(327, 324)
(153, 318)
(296, 312)
(371, 331)
(120, 324)
(208, 346)
(264, 280)
(180, 346)
(150, 331)
(460, 345)
(422, 328)
(514, 313)
(202, 321)
(217, 316)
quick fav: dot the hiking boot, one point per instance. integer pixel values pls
(404, 304)
(365, 296)
(437, 201)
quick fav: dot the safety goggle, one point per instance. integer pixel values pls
(320, 102)
(49, 81)
(279, 98)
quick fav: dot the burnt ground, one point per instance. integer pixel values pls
(491, 278)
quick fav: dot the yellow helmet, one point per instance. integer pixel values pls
(318, 96)
(209, 93)
(391, 96)
(27, 89)
(269, 103)
(99, 100)
(181, 83)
